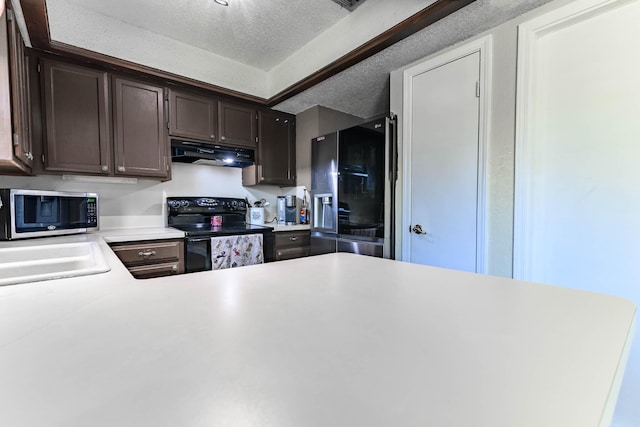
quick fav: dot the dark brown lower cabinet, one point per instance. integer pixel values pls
(292, 244)
(155, 258)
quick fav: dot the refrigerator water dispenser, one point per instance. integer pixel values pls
(322, 211)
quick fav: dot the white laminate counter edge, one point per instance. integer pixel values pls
(607, 415)
(117, 235)
(297, 227)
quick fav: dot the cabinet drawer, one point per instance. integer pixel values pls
(157, 270)
(149, 252)
(291, 253)
(290, 239)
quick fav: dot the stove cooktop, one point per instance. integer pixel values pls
(191, 230)
(196, 215)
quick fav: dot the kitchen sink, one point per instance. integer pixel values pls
(45, 262)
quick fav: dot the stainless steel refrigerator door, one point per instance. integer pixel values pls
(324, 181)
(360, 247)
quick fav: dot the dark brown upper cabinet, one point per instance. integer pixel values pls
(237, 124)
(276, 160)
(207, 119)
(77, 119)
(16, 154)
(102, 125)
(140, 138)
(193, 116)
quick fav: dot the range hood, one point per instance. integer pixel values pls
(211, 154)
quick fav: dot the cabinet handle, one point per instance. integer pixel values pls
(222, 138)
(213, 137)
(104, 168)
(293, 239)
(121, 169)
(174, 269)
(146, 254)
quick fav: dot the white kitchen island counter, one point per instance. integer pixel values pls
(332, 340)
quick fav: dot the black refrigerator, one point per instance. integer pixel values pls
(353, 177)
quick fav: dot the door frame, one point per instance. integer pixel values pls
(483, 46)
(529, 33)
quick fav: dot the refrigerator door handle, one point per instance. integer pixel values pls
(391, 142)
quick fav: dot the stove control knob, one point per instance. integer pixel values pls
(184, 203)
(234, 203)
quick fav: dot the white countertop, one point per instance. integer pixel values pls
(332, 340)
(115, 235)
(296, 227)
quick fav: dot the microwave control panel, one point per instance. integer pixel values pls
(92, 212)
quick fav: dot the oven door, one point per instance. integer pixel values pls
(197, 254)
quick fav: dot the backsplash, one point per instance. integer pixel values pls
(143, 204)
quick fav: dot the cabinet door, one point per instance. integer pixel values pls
(237, 124)
(77, 118)
(21, 120)
(140, 134)
(277, 149)
(192, 116)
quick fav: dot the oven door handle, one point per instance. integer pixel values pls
(198, 239)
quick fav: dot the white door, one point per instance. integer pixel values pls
(577, 217)
(444, 136)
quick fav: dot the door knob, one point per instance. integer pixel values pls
(417, 229)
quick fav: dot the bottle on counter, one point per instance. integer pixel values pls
(304, 210)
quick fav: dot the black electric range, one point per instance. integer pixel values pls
(202, 218)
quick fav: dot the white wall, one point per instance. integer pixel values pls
(501, 169)
(143, 204)
(501, 143)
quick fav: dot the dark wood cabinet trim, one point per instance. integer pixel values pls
(35, 13)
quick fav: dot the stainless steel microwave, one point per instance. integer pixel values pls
(37, 213)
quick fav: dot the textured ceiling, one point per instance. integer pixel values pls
(261, 46)
(260, 33)
(363, 90)
(255, 47)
